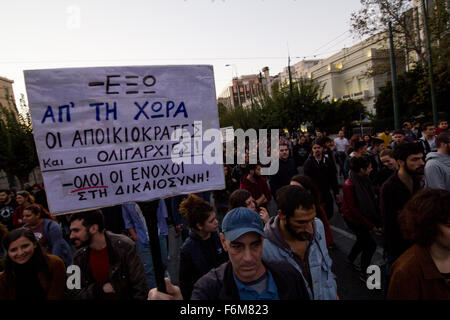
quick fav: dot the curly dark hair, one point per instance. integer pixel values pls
(421, 215)
(238, 198)
(356, 164)
(195, 210)
(38, 210)
(404, 150)
(307, 183)
(290, 197)
(89, 218)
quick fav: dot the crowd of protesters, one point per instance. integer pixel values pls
(262, 237)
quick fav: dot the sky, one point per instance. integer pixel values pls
(247, 35)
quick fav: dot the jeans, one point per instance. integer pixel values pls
(340, 159)
(145, 253)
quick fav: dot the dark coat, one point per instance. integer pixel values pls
(256, 189)
(286, 171)
(349, 208)
(198, 257)
(219, 284)
(382, 175)
(375, 161)
(301, 153)
(126, 274)
(394, 195)
(323, 174)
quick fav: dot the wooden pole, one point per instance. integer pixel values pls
(149, 211)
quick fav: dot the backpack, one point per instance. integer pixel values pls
(66, 252)
(426, 149)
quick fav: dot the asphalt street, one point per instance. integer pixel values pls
(350, 287)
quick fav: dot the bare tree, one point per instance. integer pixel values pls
(407, 20)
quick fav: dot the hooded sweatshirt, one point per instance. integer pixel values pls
(273, 234)
(437, 171)
(315, 270)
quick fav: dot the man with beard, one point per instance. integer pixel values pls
(257, 185)
(298, 237)
(110, 267)
(7, 206)
(395, 192)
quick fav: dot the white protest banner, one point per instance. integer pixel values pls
(227, 134)
(104, 135)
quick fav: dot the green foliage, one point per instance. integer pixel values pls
(18, 157)
(374, 16)
(414, 96)
(286, 110)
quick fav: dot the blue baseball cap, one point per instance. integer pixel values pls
(240, 221)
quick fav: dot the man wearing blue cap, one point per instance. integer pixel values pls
(246, 276)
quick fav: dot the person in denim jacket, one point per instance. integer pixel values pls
(298, 237)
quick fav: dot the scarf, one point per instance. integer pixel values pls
(28, 285)
(365, 197)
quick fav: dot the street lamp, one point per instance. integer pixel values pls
(234, 68)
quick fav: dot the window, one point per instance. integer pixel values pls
(348, 86)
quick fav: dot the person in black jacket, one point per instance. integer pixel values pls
(301, 152)
(322, 171)
(286, 170)
(202, 250)
(395, 192)
(374, 157)
(388, 169)
(246, 276)
(328, 151)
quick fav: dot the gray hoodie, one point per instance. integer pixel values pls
(437, 171)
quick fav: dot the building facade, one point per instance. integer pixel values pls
(7, 99)
(348, 73)
(298, 70)
(246, 89)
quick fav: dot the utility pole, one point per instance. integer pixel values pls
(430, 64)
(394, 78)
(239, 91)
(290, 74)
